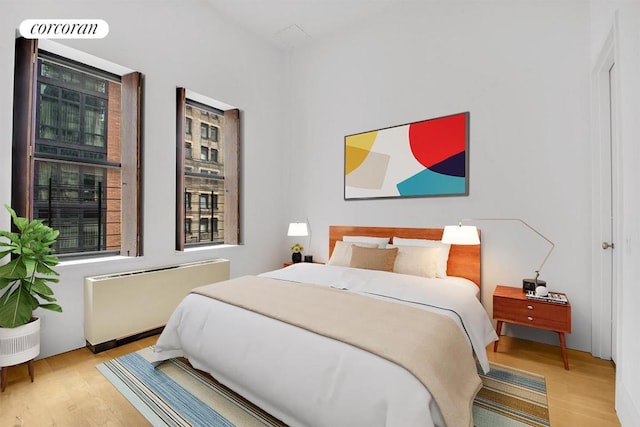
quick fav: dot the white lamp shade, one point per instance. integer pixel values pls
(461, 235)
(298, 229)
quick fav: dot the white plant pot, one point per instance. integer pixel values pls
(21, 344)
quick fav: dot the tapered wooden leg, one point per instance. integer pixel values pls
(3, 378)
(31, 370)
(563, 348)
(498, 330)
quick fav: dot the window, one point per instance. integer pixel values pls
(187, 200)
(187, 151)
(204, 201)
(187, 126)
(217, 190)
(72, 150)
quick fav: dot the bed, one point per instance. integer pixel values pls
(344, 345)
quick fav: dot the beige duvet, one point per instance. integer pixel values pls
(428, 345)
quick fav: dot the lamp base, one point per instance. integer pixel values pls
(532, 284)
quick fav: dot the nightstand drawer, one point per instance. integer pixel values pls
(544, 315)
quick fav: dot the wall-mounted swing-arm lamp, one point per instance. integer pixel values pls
(468, 235)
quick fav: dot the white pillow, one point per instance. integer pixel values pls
(342, 252)
(381, 242)
(416, 260)
(441, 267)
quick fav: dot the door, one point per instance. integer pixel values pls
(605, 205)
(613, 200)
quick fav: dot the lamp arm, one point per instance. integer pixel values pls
(309, 227)
(525, 224)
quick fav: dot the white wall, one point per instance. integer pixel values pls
(173, 43)
(623, 17)
(522, 70)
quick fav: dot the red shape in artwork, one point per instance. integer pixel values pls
(433, 141)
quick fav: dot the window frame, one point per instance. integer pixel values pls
(231, 138)
(24, 135)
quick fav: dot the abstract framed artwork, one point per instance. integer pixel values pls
(428, 158)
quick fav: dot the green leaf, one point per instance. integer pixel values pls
(39, 286)
(47, 298)
(44, 269)
(30, 265)
(17, 310)
(5, 282)
(21, 223)
(13, 237)
(52, 307)
(52, 235)
(4, 253)
(14, 269)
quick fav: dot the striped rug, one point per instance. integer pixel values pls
(511, 397)
(175, 394)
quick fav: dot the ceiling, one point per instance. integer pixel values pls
(292, 23)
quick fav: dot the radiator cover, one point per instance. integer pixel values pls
(121, 307)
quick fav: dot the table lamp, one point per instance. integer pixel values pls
(298, 229)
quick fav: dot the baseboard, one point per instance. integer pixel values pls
(628, 412)
(108, 345)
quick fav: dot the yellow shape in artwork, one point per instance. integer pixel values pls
(357, 148)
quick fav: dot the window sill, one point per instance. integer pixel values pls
(85, 261)
(207, 248)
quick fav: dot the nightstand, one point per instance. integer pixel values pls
(287, 264)
(511, 305)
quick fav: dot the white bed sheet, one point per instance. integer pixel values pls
(310, 380)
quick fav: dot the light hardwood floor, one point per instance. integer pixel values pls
(582, 396)
(69, 391)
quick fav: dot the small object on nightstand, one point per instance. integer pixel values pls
(532, 284)
(542, 291)
(296, 250)
(308, 258)
(554, 297)
(551, 312)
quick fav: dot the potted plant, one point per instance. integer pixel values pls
(23, 287)
(296, 255)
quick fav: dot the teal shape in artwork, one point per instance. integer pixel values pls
(429, 183)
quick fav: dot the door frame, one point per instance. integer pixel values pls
(604, 272)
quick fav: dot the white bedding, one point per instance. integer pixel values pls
(309, 380)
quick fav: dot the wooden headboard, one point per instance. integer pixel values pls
(464, 260)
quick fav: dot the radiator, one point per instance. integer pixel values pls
(121, 307)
